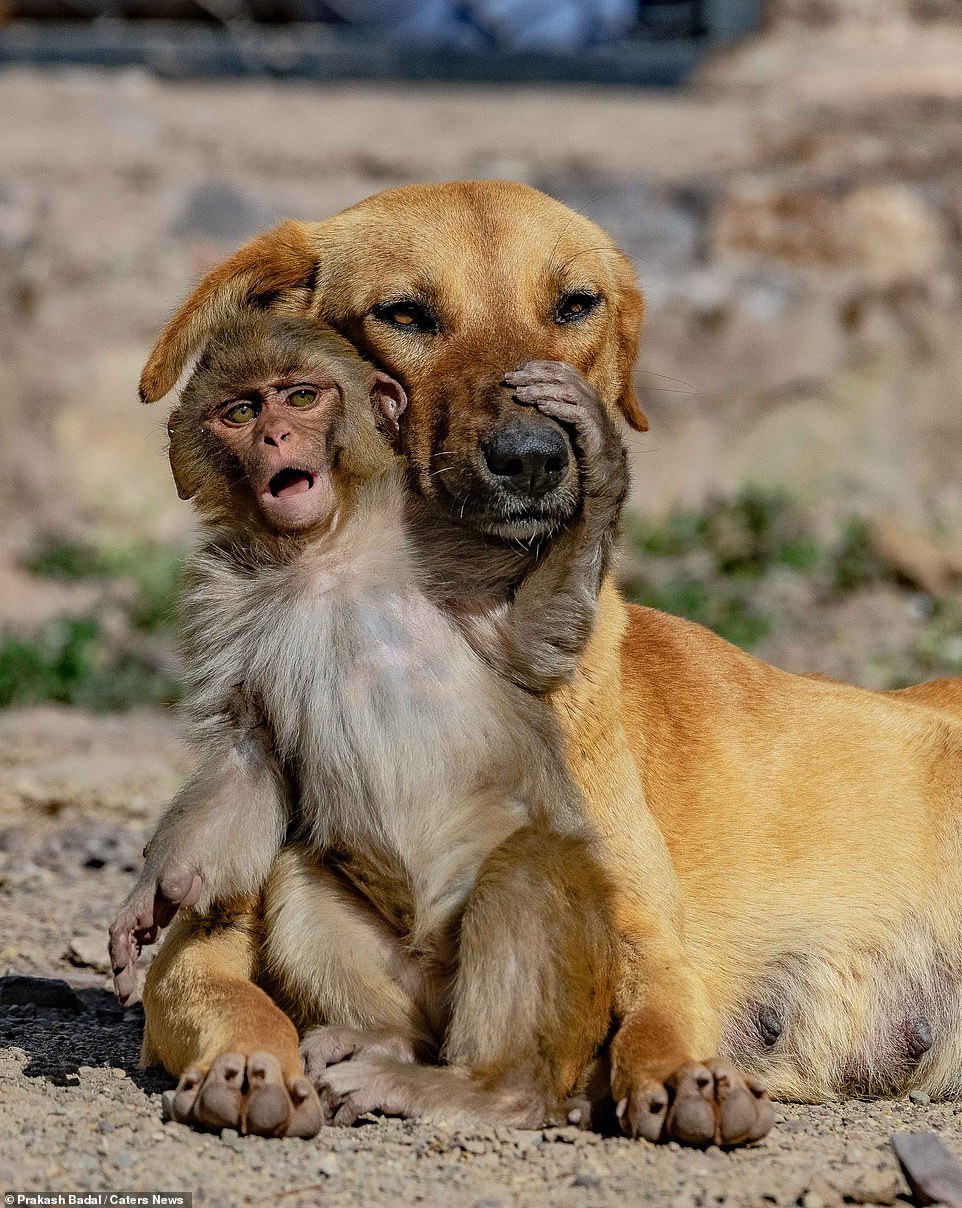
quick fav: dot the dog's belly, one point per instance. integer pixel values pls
(856, 1023)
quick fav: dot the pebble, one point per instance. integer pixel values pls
(89, 951)
(919, 1097)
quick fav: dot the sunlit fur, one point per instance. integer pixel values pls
(771, 836)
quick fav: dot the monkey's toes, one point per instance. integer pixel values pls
(123, 948)
(700, 1105)
(326, 1046)
(354, 1088)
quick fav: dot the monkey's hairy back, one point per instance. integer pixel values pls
(406, 749)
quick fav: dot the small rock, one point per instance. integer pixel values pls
(50, 992)
(585, 1178)
(568, 1135)
(90, 952)
(919, 1097)
(871, 1187)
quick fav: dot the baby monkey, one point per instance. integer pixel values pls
(438, 895)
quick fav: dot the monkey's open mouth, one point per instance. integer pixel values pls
(290, 482)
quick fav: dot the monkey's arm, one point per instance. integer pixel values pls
(217, 838)
(537, 638)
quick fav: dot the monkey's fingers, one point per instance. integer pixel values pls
(541, 371)
(125, 985)
(124, 950)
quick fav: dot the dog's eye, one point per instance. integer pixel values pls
(406, 315)
(575, 306)
(304, 396)
(241, 413)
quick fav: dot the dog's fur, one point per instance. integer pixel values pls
(788, 851)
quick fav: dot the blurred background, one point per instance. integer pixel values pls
(786, 175)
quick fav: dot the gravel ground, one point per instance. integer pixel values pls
(76, 1113)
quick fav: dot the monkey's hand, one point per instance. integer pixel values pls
(151, 906)
(559, 391)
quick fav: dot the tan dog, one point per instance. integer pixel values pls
(788, 851)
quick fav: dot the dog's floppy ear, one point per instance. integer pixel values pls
(631, 312)
(276, 270)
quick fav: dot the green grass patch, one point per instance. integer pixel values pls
(71, 662)
(79, 661)
(152, 571)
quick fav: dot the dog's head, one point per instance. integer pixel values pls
(448, 288)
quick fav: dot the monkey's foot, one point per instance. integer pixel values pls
(150, 907)
(353, 1088)
(326, 1046)
(699, 1104)
(250, 1094)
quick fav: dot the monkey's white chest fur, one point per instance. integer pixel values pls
(393, 730)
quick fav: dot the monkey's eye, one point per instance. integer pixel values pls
(304, 396)
(406, 315)
(576, 305)
(241, 413)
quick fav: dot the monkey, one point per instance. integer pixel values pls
(389, 736)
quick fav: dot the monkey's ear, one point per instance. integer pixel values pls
(184, 479)
(389, 401)
(274, 271)
(631, 312)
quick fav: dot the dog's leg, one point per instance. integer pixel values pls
(663, 1070)
(664, 1088)
(234, 1050)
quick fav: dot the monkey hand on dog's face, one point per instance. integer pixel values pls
(559, 391)
(538, 639)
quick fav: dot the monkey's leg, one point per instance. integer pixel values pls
(532, 999)
(235, 1051)
(339, 969)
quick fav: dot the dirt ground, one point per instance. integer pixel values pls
(796, 217)
(77, 1113)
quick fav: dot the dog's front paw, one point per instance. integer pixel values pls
(699, 1104)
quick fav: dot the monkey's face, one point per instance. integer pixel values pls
(278, 424)
(280, 434)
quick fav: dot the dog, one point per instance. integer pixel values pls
(787, 851)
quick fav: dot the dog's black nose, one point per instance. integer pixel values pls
(529, 458)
